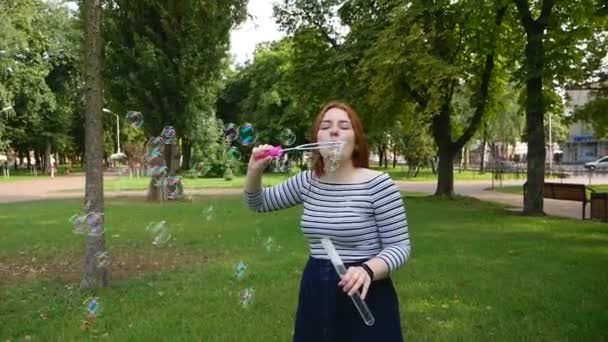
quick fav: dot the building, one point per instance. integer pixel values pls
(582, 145)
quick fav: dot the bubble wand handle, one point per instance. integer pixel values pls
(274, 152)
(364, 311)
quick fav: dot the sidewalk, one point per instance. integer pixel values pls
(41, 189)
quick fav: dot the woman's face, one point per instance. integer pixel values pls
(336, 126)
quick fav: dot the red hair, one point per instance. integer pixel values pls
(360, 156)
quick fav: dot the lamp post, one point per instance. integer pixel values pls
(105, 110)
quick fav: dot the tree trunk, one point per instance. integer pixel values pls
(186, 153)
(445, 181)
(47, 158)
(535, 110)
(385, 153)
(394, 157)
(38, 159)
(482, 163)
(380, 156)
(442, 128)
(93, 276)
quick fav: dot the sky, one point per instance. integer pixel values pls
(259, 28)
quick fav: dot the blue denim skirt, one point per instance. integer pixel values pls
(326, 313)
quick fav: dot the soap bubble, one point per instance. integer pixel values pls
(209, 213)
(287, 137)
(156, 142)
(93, 306)
(231, 132)
(240, 270)
(246, 296)
(247, 134)
(156, 171)
(269, 243)
(169, 135)
(159, 232)
(95, 223)
(135, 119)
(79, 223)
(234, 153)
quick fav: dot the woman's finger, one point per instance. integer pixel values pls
(357, 285)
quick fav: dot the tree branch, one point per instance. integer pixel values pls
(523, 8)
(545, 13)
(321, 29)
(419, 98)
(484, 88)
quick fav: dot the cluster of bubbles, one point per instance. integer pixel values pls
(245, 134)
(159, 232)
(332, 157)
(157, 168)
(245, 295)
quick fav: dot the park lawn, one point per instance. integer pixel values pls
(477, 272)
(426, 174)
(142, 183)
(518, 189)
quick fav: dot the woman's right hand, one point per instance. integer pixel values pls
(256, 164)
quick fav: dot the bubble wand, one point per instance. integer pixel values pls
(277, 151)
(366, 315)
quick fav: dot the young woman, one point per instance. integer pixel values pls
(362, 212)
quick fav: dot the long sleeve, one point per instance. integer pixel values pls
(280, 196)
(391, 219)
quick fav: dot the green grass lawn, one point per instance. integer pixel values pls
(518, 190)
(401, 173)
(477, 273)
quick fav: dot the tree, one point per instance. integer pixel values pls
(166, 58)
(426, 54)
(94, 276)
(562, 42)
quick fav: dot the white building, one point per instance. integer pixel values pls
(582, 145)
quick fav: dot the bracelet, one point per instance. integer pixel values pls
(368, 270)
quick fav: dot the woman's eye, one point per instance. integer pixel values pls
(345, 125)
(325, 126)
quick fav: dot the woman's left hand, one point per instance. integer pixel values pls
(354, 280)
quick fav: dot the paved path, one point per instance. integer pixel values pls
(40, 189)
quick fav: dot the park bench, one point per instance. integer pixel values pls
(564, 191)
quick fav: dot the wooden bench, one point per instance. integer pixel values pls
(564, 191)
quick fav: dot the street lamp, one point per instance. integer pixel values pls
(105, 110)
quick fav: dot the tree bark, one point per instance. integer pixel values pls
(93, 276)
(535, 110)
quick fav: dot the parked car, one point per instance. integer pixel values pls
(600, 164)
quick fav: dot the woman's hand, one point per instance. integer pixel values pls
(256, 164)
(354, 280)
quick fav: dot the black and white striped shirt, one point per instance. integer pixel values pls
(363, 220)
